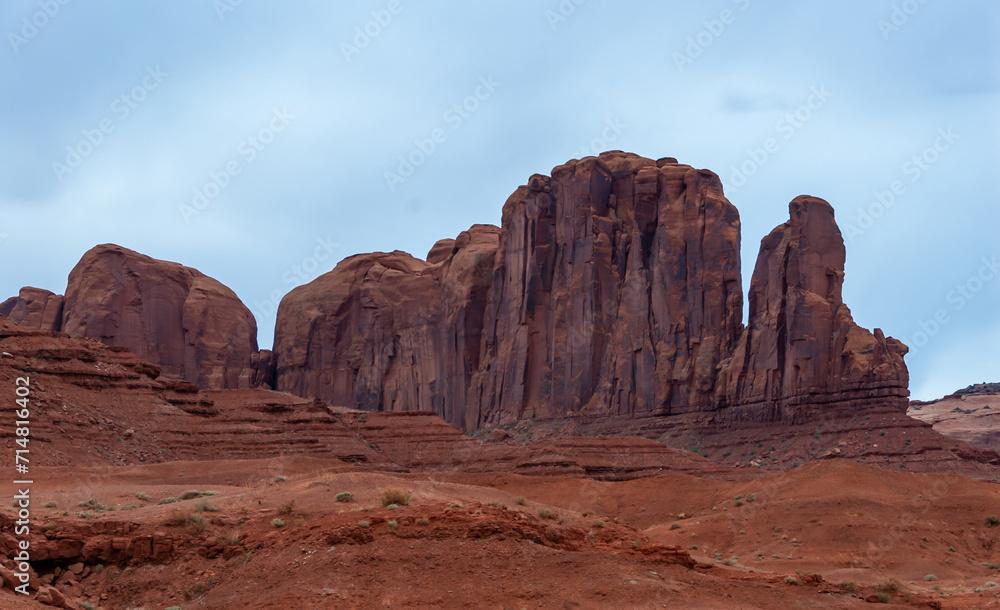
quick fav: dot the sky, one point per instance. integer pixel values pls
(262, 142)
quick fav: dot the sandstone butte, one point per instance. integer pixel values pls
(611, 292)
(185, 322)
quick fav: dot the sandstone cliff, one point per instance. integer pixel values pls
(616, 292)
(801, 345)
(34, 308)
(389, 331)
(189, 324)
(611, 291)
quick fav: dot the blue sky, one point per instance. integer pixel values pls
(252, 140)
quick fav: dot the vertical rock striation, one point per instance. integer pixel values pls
(802, 346)
(616, 292)
(387, 331)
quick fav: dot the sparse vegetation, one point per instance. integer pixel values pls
(280, 479)
(930, 578)
(791, 579)
(675, 526)
(92, 504)
(344, 496)
(850, 586)
(50, 504)
(520, 501)
(393, 525)
(423, 522)
(278, 522)
(190, 495)
(395, 496)
(175, 518)
(597, 524)
(992, 521)
(990, 566)
(545, 513)
(392, 506)
(738, 503)
(363, 524)
(197, 525)
(234, 539)
(145, 497)
(86, 606)
(203, 506)
(168, 500)
(287, 507)
(496, 504)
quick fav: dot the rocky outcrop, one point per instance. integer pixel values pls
(387, 331)
(189, 324)
(801, 345)
(611, 292)
(616, 292)
(34, 308)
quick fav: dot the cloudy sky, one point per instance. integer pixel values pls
(261, 142)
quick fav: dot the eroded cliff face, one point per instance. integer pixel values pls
(611, 291)
(387, 331)
(616, 292)
(801, 345)
(34, 308)
(187, 323)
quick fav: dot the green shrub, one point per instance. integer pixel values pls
(168, 501)
(280, 478)
(344, 496)
(675, 526)
(520, 501)
(597, 523)
(278, 522)
(49, 504)
(393, 525)
(86, 606)
(392, 506)
(363, 524)
(545, 513)
(850, 586)
(791, 580)
(145, 497)
(930, 578)
(423, 522)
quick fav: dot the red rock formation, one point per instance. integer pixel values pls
(802, 345)
(189, 324)
(617, 292)
(35, 308)
(389, 331)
